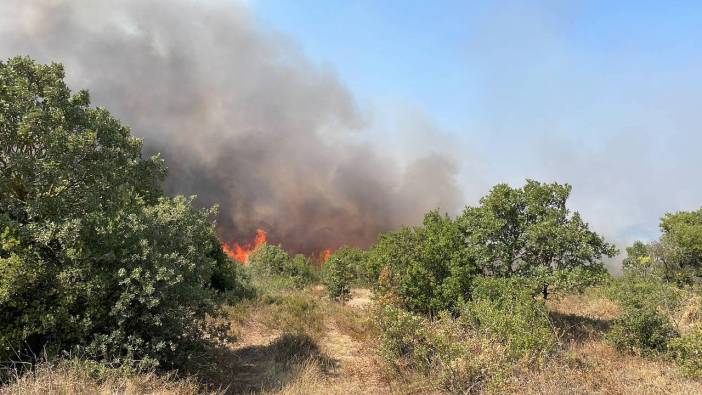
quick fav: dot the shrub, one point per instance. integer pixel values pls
(404, 335)
(465, 362)
(269, 260)
(423, 267)
(526, 232)
(635, 292)
(300, 269)
(649, 306)
(341, 271)
(506, 311)
(683, 231)
(231, 278)
(452, 356)
(642, 331)
(93, 258)
(273, 265)
(687, 351)
(295, 314)
(676, 256)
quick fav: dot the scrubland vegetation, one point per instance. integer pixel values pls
(107, 285)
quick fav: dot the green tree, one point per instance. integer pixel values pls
(676, 256)
(682, 233)
(91, 253)
(529, 231)
(637, 258)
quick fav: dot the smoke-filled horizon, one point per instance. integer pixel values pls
(413, 107)
(242, 119)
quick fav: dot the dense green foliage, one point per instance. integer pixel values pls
(271, 262)
(404, 335)
(524, 232)
(92, 256)
(659, 277)
(647, 303)
(677, 256)
(425, 267)
(505, 309)
(684, 231)
(637, 259)
(344, 268)
(529, 231)
(642, 331)
(450, 352)
(300, 269)
(687, 351)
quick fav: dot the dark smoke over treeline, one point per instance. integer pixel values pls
(241, 117)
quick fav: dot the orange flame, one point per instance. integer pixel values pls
(241, 253)
(324, 255)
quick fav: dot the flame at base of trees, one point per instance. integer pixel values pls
(241, 253)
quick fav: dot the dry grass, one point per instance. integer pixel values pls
(300, 343)
(67, 378)
(595, 367)
(587, 364)
(689, 315)
(337, 357)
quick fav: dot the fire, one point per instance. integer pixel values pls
(241, 252)
(325, 254)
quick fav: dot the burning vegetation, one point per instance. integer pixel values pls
(242, 252)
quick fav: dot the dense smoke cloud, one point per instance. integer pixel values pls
(239, 114)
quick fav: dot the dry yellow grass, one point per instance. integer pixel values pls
(594, 367)
(66, 379)
(589, 365)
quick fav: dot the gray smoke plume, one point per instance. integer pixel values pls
(239, 114)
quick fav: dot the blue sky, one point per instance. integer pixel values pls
(452, 57)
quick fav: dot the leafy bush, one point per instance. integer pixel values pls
(423, 267)
(92, 256)
(452, 356)
(637, 292)
(638, 260)
(300, 269)
(527, 232)
(506, 311)
(642, 331)
(648, 305)
(687, 351)
(341, 271)
(683, 231)
(676, 256)
(404, 335)
(231, 278)
(295, 314)
(272, 264)
(269, 260)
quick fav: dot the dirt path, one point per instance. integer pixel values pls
(337, 361)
